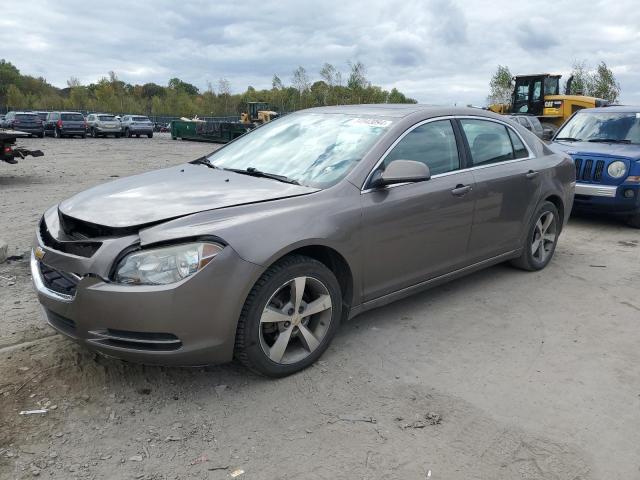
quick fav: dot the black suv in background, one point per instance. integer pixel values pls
(27, 122)
(63, 124)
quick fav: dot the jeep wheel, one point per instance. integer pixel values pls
(634, 220)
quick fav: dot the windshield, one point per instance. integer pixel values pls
(310, 148)
(72, 116)
(106, 118)
(592, 126)
(140, 119)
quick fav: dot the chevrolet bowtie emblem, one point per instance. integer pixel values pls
(39, 253)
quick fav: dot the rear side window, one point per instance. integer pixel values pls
(433, 144)
(76, 117)
(519, 150)
(489, 142)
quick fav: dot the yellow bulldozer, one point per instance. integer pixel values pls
(539, 95)
(257, 113)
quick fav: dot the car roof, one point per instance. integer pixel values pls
(400, 110)
(616, 109)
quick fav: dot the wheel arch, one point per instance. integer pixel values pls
(559, 204)
(334, 261)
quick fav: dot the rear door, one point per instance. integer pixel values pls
(416, 231)
(508, 181)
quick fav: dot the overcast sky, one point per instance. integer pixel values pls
(436, 51)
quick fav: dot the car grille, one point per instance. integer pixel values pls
(60, 282)
(589, 170)
(150, 341)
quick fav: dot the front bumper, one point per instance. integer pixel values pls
(621, 200)
(188, 323)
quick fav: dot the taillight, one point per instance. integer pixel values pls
(85, 125)
(7, 150)
(59, 124)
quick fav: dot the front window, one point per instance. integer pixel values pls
(433, 144)
(312, 149)
(619, 127)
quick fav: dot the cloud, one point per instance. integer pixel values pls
(438, 51)
(536, 34)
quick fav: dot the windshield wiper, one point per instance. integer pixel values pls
(568, 139)
(203, 161)
(254, 172)
(609, 140)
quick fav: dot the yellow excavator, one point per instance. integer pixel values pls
(539, 95)
(257, 113)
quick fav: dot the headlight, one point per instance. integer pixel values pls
(616, 169)
(160, 266)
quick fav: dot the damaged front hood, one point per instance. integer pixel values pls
(170, 193)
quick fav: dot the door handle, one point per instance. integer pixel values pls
(461, 190)
(531, 174)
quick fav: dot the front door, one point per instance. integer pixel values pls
(417, 231)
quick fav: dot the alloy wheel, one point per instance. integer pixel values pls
(295, 320)
(544, 237)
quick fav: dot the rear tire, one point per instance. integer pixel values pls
(117, 135)
(541, 240)
(273, 337)
(150, 135)
(634, 220)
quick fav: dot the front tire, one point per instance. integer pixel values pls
(541, 240)
(289, 318)
(634, 220)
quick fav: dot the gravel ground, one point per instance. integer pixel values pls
(500, 375)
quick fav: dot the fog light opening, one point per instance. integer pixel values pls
(628, 193)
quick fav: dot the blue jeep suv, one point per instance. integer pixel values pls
(605, 146)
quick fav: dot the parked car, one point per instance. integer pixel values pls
(65, 124)
(42, 115)
(103, 124)
(531, 123)
(27, 122)
(136, 125)
(605, 146)
(262, 248)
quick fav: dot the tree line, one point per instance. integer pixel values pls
(599, 82)
(179, 98)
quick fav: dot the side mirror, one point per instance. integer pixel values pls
(401, 171)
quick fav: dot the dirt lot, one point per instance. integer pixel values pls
(501, 375)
